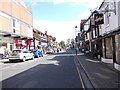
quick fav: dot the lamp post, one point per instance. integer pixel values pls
(76, 39)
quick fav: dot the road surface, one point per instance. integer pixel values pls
(51, 71)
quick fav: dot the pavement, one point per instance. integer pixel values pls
(99, 74)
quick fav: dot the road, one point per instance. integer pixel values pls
(51, 71)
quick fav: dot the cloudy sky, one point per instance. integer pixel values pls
(59, 17)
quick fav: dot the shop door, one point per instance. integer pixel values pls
(11, 47)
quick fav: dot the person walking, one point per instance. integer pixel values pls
(57, 50)
(77, 50)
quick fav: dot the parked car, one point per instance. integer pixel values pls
(20, 55)
(37, 53)
(49, 51)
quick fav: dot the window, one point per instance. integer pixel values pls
(17, 51)
(107, 16)
(25, 51)
(96, 30)
(13, 30)
(13, 22)
(92, 34)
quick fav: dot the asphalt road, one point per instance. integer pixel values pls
(51, 71)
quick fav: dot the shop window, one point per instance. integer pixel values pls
(109, 48)
(117, 41)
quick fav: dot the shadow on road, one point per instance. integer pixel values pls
(59, 72)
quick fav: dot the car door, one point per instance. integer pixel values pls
(30, 54)
(25, 53)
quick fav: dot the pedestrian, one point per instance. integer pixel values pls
(57, 50)
(77, 50)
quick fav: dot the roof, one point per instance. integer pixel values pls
(102, 4)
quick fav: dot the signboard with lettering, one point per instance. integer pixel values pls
(6, 39)
(18, 41)
(99, 19)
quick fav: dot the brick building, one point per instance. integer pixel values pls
(15, 24)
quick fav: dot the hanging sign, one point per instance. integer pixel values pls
(99, 19)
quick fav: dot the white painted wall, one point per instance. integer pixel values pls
(88, 36)
(114, 20)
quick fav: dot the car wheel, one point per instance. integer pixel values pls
(11, 61)
(38, 56)
(24, 59)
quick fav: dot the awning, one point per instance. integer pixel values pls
(15, 36)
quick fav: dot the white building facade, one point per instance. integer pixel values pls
(111, 32)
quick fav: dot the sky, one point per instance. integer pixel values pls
(59, 17)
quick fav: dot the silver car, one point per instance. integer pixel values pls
(20, 55)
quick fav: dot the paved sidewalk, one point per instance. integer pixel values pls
(100, 74)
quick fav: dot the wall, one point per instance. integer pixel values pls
(118, 13)
(5, 25)
(15, 10)
(113, 22)
(24, 30)
(5, 5)
(20, 12)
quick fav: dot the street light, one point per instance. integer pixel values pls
(76, 38)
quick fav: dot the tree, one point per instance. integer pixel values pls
(72, 43)
(68, 42)
(62, 44)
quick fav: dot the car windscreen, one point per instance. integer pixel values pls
(48, 49)
(16, 51)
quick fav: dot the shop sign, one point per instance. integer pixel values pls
(29, 42)
(99, 19)
(6, 39)
(18, 41)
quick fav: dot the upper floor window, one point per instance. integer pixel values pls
(92, 35)
(107, 16)
(14, 22)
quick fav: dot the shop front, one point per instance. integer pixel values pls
(97, 48)
(22, 44)
(107, 50)
(117, 45)
(6, 45)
